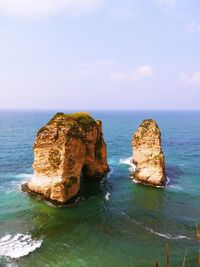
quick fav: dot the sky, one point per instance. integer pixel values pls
(100, 54)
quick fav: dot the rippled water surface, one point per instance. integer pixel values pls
(117, 222)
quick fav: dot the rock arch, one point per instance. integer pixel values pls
(66, 146)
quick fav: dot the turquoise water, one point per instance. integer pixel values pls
(117, 222)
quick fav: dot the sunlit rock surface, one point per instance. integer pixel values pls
(147, 154)
(68, 146)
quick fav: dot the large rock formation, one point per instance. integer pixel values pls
(147, 155)
(69, 146)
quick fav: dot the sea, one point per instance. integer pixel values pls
(115, 222)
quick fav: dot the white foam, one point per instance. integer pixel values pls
(109, 173)
(18, 246)
(168, 236)
(134, 221)
(128, 161)
(24, 175)
(18, 180)
(175, 187)
(168, 181)
(139, 182)
(136, 181)
(107, 196)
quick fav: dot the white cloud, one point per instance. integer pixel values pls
(125, 9)
(168, 3)
(110, 69)
(47, 7)
(191, 79)
(145, 71)
(193, 27)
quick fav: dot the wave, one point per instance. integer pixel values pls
(21, 179)
(17, 246)
(109, 173)
(175, 187)
(167, 236)
(107, 196)
(128, 161)
(24, 175)
(168, 180)
(155, 186)
(132, 220)
(12, 183)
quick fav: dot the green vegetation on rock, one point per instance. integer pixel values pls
(78, 122)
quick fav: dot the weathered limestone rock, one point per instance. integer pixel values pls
(147, 155)
(70, 145)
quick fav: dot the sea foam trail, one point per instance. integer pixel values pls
(128, 161)
(175, 187)
(17, 246)
(167, 236)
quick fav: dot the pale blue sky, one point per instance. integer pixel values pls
(100, 54)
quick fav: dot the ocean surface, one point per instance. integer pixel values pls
(116, 222)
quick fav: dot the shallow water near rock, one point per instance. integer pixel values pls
(116, 222)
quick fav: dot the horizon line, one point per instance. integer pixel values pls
(93, 110)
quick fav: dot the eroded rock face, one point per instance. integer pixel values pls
(69, 146)
(147, 154)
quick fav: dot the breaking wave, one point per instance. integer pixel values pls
(128, 161)
(17, 246)
(107, 196)
(109, 173)
(13, 183)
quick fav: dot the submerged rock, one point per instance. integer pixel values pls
(70, 145)
(147, 154)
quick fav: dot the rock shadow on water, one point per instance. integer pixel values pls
(174, 174)
(154, 198)
(89, 188)
(90, 208)
(93, 188)
(147, 198)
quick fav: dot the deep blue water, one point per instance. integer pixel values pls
(117, 222)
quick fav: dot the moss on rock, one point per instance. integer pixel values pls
(78, 122)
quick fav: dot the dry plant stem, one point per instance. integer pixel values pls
(197, 232)
(167, 254)
(199, 258)
(184, 259)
